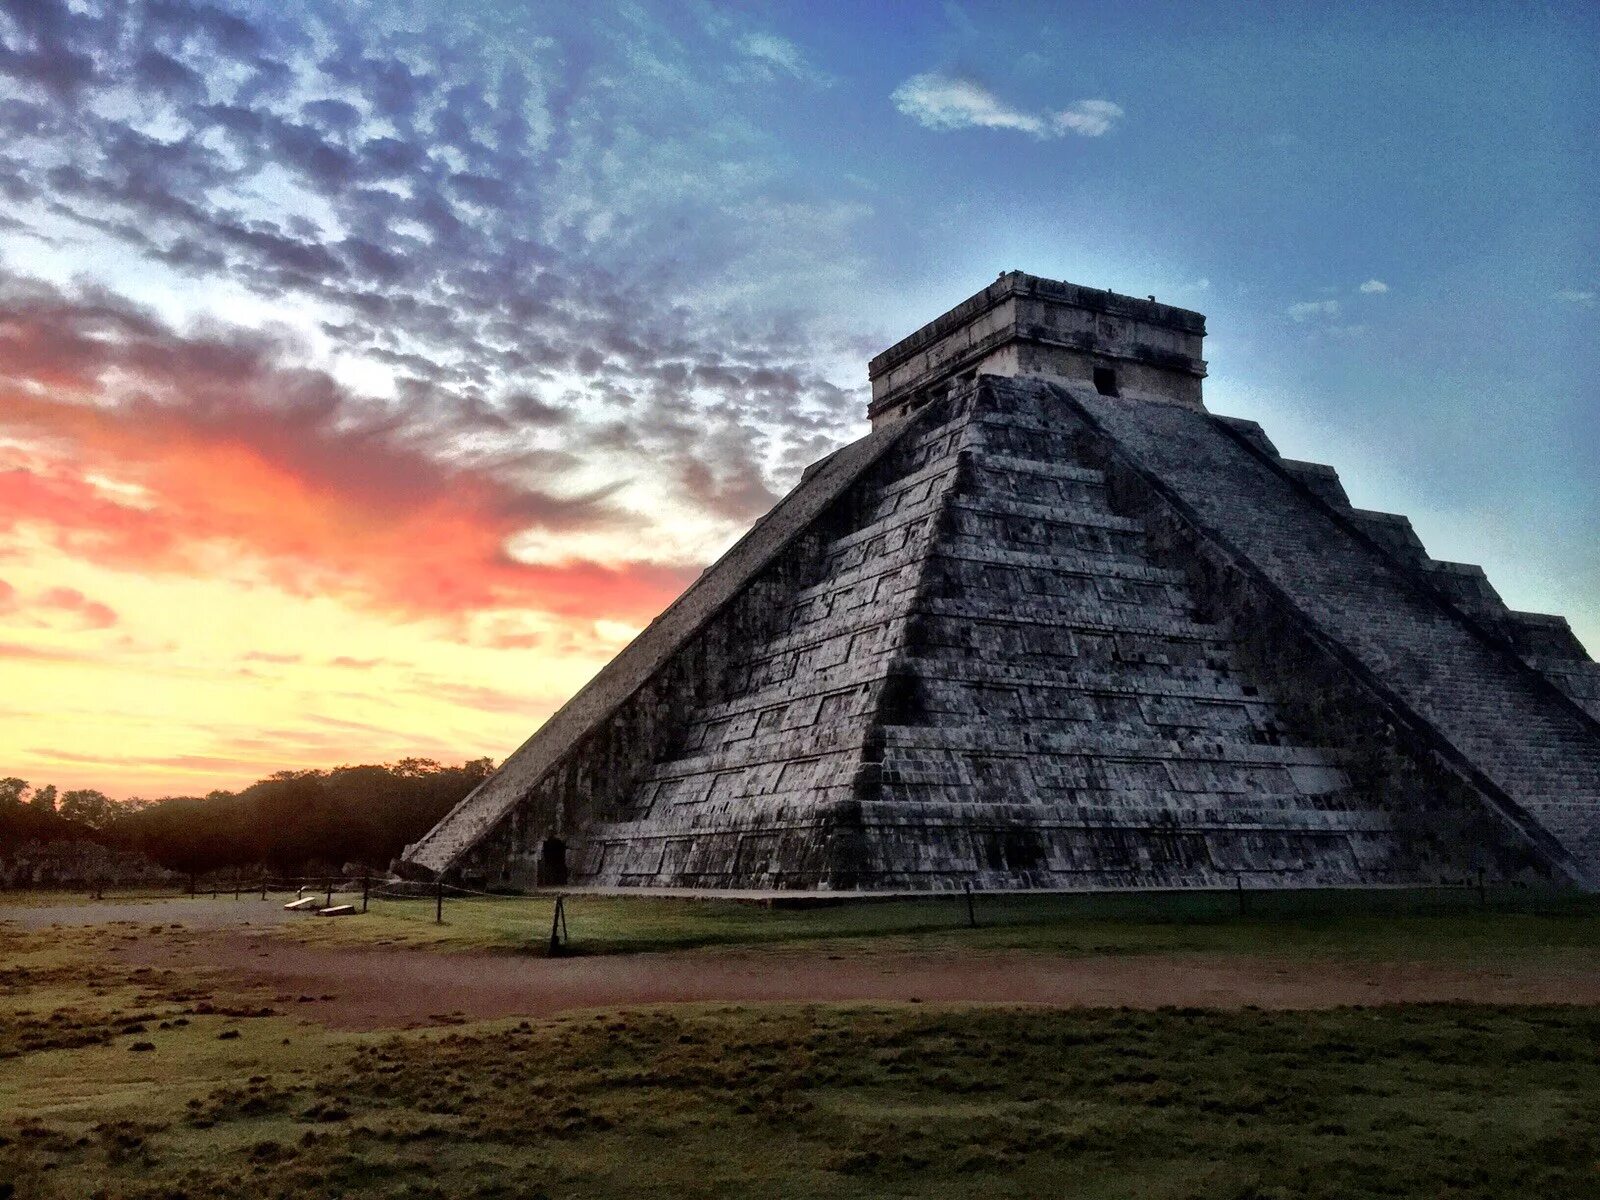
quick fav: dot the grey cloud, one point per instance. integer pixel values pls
(530, 235)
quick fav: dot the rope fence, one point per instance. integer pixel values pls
(1264, 897)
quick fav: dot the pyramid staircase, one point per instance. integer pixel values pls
(992, 681)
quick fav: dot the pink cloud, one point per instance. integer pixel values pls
(92, 613)
(231, 450)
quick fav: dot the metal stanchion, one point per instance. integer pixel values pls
(438, 904)
(366, 890)
(558, 926)
(972, 913)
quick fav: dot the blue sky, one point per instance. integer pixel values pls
(507, 318)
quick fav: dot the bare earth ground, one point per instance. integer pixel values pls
(195, 914)
(392, 987)
(375, 989)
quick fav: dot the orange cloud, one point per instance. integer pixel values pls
(18, 650)
(91, 614)
(154, 451)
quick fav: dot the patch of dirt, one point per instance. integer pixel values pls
(396, 988)
(197, 912)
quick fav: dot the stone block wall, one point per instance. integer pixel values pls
(1036, 637)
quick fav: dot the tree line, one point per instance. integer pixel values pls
(291, 823)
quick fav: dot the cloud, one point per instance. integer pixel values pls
(484, 230)
(28, 653)
(770, 56)
(1581, 296)
(43, 609)
(1091, 118)
(221, 452)
(266, 656)
(1307, 310)
(484, 699)
(1374, 287)
(947, 102)
(90, 614)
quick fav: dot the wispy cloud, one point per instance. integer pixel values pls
(769, 56)
(1582, 296)
(1311, 310)
(1374, 287)
(531, 350)
(949, 102)
(56, 607)
(485, 238)
(1091, 118)
(89, 614)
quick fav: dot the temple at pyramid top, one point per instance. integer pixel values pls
(1024, 325)
(1053, 625)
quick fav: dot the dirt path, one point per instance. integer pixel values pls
(374, 989)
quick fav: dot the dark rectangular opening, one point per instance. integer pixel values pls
(1105, 381)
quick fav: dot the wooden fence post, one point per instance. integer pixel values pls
(438, 904)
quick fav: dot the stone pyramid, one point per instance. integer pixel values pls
(1051, 625)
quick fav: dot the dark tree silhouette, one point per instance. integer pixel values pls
(295, 822)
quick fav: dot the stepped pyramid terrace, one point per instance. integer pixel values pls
(1053, 625)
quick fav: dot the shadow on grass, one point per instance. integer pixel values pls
(1453, 922)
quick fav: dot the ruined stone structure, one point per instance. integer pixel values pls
(1051, 624)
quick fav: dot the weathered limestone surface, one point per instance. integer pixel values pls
(591, 751)
(1021, 325)
(1533, 752)
(1029, 634)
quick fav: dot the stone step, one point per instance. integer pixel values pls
(914, 517)
(1064, 513)
(1048, 468)
(1100, 566)
(1135, 679)
(997, 738)
(879, 626)
(773, 749)
(1070, 598)
(854, 677)
(1111, 619)
(1175, 816)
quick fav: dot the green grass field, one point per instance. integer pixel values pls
(122, 1081)
(829, 1102)
(1444, 926)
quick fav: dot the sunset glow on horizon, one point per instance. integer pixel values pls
(369, 377)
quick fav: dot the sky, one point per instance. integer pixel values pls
(370, 373)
